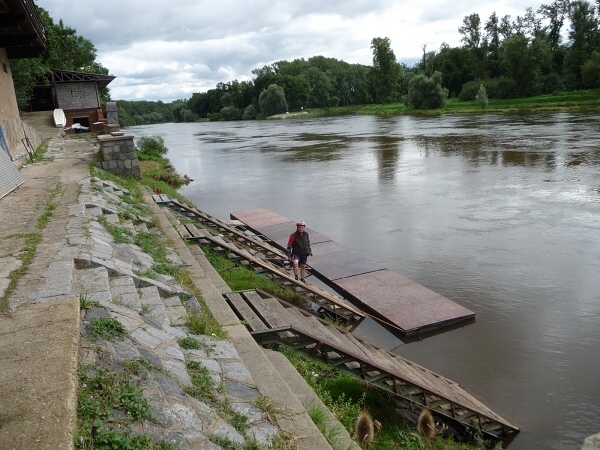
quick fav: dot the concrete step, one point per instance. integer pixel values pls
(57, 281)
(93, 284)
(124, 292)
(152, 305)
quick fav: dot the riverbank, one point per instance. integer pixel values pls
(43, 200)
(82, 282)
(572, 102)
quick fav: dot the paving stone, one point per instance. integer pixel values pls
(190, 424)
(177, 440)
(178, 370)
(253, 413)
(165, 337)
(173, 351)
(178, 333)
(228, 432)
(177, 315)
(263, 433)
(210, 364)
(237, 371)
(163, 415)
(125, 351)
(241, 391)
(170, 387)
(144, 338)
(150, 356)
(223, 350)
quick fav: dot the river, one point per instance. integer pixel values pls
(499, 213)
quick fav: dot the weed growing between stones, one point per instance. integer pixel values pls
(191, 343)
(85, 302)
(32, 240)
(120, 234)
(106, 328)
(49, 209)
(108, 405)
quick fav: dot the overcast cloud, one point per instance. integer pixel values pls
(167, 50)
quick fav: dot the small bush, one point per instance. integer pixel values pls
(152, 145)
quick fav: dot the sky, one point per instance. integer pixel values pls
(168, 50)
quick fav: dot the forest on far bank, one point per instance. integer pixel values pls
(553, 49)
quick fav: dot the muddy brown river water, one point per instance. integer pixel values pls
(501, 214)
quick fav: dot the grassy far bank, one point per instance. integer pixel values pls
(574, 102)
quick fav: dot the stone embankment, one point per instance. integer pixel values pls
(45, 333)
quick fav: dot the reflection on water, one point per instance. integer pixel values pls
(501, 214)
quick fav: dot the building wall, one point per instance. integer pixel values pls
(12, 129)
(77, 95)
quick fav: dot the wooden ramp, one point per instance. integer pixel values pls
(271, 320)
(409, 307)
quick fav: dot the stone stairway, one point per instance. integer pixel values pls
(114, 277)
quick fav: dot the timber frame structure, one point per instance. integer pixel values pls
(21, 30)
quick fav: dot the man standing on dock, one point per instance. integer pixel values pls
(298, 250)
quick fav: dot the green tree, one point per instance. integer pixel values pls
(590, 72)
(521, 65)
(455, 64)
(231, 113)
(297, 91)
(385, 71)
(493, 38)
(472, 39)
(249, 113)
(24, 73)
(583, 35)
(65, 50)
(272, 101)
(555, 14)
(427, 92)
(320, 87)
(481, 97)
(205, 103)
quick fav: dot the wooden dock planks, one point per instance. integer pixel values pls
(373, 364)
(401, 303)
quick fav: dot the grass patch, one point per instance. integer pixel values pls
(108, 404)
(574, 101)
(85, 302)
(32, 240)
(345, 396)
(121, 235)
(106, 328)
(239, 277)
(202, 387)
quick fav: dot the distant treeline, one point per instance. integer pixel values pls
(509, 58)
(499, 58)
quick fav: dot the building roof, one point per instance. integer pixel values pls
(67, 76)
(21, 29)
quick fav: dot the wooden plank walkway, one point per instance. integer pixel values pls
(410, 308)
(260, 257)
(270, 320)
